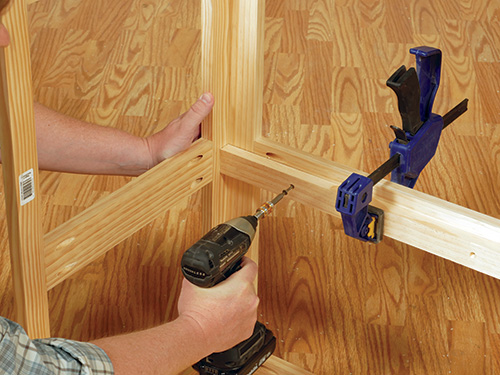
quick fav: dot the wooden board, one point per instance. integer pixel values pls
(232, 69)
(428, 223)
(80, 240)
(273, 366)
(20, 163)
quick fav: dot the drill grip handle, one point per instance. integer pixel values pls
(234, 268)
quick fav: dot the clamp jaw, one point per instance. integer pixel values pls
(414, 146)
(359, 218)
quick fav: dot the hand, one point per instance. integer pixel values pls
(181, 132)
(225, 313)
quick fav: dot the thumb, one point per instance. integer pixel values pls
(199, 110)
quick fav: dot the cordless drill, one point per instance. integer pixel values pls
(212, 259)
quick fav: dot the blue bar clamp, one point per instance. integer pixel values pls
(411, 150)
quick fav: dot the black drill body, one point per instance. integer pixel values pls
(212, 259)
(218, 253)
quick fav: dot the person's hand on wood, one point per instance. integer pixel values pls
(67, 144)
(181, 132)
(70, 145)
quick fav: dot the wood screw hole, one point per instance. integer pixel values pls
(196, 159)
(197, 181)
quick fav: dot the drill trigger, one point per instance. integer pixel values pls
(376, 227)
(371, 228)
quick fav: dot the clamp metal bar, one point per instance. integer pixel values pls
(386, 168)
(454, 113)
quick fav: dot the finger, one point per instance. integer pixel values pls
(199, 110)
(246, 260)
(4, 36)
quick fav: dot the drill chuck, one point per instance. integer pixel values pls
(267, 207)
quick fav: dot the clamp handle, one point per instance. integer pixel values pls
(405, 84)
(416, 89)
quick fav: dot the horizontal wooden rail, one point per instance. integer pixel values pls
(273, 366)
(112, 219)
(445, 229)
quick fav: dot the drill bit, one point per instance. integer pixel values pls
(267, 207)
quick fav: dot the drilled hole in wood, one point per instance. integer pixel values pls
(270, 154)
(197, 159)
(472, 255)
(197, 181)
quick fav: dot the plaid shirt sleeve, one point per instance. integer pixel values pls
(20, 355)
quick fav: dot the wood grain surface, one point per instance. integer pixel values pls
(232, 53)
(80, 240)
(20, 163)
(428, 223)
(334, 304)
(387, 309)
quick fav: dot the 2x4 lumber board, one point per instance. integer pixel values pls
(114, 218)
(439, 227)
(19, 155)
(233, 70)
(277, 366)
(273, 366)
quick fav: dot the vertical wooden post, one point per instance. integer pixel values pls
(20, 166)
(233, 70)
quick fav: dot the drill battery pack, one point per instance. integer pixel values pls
(243, 359)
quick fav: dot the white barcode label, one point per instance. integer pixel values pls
(27, 187)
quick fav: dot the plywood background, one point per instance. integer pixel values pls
(335, 305)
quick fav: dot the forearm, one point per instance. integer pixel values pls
(66, 144)
(167, 349)
(71, 145)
